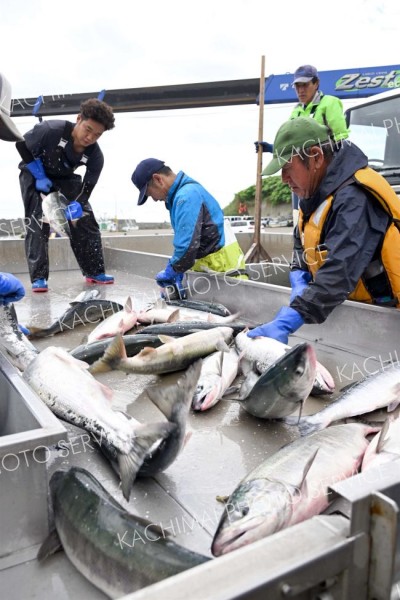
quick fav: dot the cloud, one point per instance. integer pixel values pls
(89, 45)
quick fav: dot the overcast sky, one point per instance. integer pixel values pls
(49, 47)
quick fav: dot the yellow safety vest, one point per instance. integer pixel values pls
(310, 234)
(228, 258)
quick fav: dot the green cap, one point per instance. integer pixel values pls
(293, 137)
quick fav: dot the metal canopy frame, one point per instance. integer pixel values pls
(166, 97)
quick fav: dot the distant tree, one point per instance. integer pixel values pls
(276, 192)
(273, 192)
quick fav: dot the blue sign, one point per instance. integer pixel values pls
(342, 83)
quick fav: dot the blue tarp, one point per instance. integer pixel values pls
(343, 83)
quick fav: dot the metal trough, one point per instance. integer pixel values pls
(27, 430)
(352, 553)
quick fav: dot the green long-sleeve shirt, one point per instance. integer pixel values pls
(327, 110)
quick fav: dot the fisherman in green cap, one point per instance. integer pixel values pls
(346, 243)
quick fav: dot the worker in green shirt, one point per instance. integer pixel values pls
(326, 110)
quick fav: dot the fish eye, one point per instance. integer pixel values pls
(245, 511)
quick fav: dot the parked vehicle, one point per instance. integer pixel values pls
(374, 127)
(242, 226)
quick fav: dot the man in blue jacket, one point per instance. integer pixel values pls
(11, 289)
(201, 242)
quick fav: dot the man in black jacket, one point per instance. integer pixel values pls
(51, 152)
(346, 244)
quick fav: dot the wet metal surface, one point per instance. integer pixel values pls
(224, 445)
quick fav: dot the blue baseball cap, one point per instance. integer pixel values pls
(304, 74)
(142, 175)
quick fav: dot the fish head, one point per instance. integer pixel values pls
(67, 485)
(207, 392)
(256, 509)
(57, 478)
(296, 372)
(57, 483)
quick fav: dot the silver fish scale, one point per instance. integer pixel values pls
(261, 351)
(53, 206)
(16, 344)
(372, 392)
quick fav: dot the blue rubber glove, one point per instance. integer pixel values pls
(43, 183)
(173, 291)
(171, 278)
(299, 280)
(266, 147)
(73, 211)
(11, 289)
(23, 329)
(286, 321)
(167, 276)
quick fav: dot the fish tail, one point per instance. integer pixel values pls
(174, 316)
(51, 545)
(144, 438)
(111, 358)
(36, 332)
(305, 425)
(174, 398)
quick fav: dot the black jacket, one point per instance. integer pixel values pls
(352, 235)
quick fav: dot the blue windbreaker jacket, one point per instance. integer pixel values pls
(197, 220)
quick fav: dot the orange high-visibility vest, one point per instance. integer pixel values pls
(310, 234)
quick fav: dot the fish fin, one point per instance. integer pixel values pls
(348, 387)
(395, 403)
(233, 389)
(305, 425)
(147, 350)
(231, 318)
(247, 366)
(51, 545)
(220, 363)
(301, 409)
(381, 440)
(121, 327)
(144, 438)
(223, 499)
(159, 303)
(174, 316)
(107, 392)
(128, 305)
(187, 437)
(222, 346)
(308, 464)
(299, 483)
(306, 428)
(152, 528)
(111, 358)
(291, 420)
(166, 338)
(36, 332)
(166, 398)
(85, 296)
